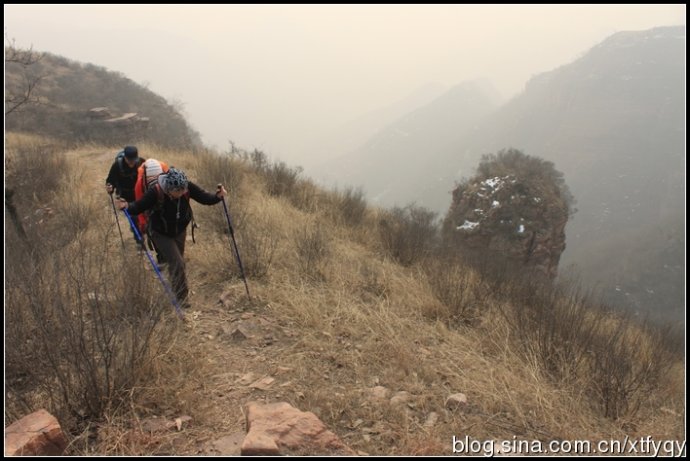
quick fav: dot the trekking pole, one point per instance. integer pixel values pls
(234, 244)
(173, 298)
(112, 200)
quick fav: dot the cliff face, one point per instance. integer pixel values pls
(519, 216)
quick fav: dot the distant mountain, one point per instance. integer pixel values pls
(351, 135)
(613, 122)
(85, 102)
(393, 165)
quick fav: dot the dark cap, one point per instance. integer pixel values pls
(131, 152)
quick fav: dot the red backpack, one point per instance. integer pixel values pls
(144, 181)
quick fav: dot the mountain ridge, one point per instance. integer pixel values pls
(612, 121)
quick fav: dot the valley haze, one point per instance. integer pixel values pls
(286, 79)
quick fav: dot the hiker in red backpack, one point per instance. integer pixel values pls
(170, 216)
(147, 176)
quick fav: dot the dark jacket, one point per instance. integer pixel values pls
(171, 217)
(123, 179)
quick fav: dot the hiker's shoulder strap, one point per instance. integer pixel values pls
(142, 176)
(159, 192)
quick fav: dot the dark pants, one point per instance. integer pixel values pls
(171, 250)
(152, 246)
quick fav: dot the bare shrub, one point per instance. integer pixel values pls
(352, 206)
(281, 179)
(83, 332)
(457, 287)
(554, 324)
(408, 234)
(224, 169)
(34, 171)
(628, 363)
(259, 159)
(21, 92)
(75, 216)
(216, 169)
(312, 251)
(582, 343)
(256, 243)
(306, 196)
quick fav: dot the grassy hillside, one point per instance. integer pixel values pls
(65, 92)
(345, 297)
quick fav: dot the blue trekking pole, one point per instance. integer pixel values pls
(173, 298)
(234, 244)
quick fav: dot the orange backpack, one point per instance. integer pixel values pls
(147, 175)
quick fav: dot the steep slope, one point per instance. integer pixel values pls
(368, 346)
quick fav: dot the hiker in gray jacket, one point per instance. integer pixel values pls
(171, 214)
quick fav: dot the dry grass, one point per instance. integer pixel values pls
(364, 321)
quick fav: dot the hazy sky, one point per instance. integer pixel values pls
(274, 76)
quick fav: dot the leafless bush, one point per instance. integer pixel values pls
(628, 364)
(34, 171)
(256, 243)
(83, 332)
(557, 328)
(224, 169)
(580, 342)
(280, 178)
(80, 318)
(306, 196)
(259, 159)
(214, 169)
(456, 287)
(408, 234)
(501, 274)
(21, 93)
(352, 206)
(312, 251)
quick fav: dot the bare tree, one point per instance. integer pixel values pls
(24, 92)
(16, 96)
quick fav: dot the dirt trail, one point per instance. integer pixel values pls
(234, 341)
(238, 345)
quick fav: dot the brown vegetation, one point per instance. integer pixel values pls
(344, 298)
